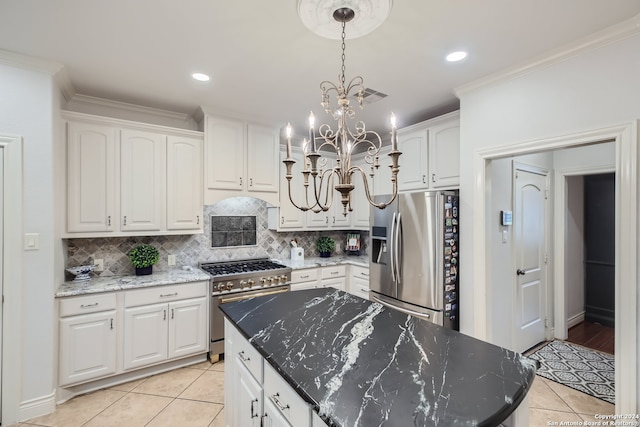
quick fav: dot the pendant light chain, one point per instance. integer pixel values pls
(344, 46)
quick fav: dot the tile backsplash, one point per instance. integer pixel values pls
(192, 249)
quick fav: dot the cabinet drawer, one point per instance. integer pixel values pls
(334, 271)
(87, 304)
(248, 356)
(304, 275)
(360, 272)
(158, 294)
(284, 397)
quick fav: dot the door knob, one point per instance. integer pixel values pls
(520, 272)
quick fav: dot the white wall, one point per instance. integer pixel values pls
(587, 91)
(574, 258)
(29, 102)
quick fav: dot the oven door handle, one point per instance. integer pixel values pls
(224, 300)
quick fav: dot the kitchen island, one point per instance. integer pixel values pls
(357, 363)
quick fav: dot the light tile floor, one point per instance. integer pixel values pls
(193, 397)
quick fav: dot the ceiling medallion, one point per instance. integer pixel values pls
(317, 15)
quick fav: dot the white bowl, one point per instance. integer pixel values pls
(81, 272)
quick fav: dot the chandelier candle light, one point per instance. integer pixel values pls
(343, 142)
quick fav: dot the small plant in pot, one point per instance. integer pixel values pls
(143, 257)
(325, 245)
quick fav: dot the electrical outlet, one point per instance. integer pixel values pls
(172, 260)
(99, 263)
(338, 248)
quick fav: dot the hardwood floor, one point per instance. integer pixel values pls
(593, 335)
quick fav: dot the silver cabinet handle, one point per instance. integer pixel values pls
(326, 219)
(252, 411)
(168, 295)
(109, 220)
(242, 356)
(164, 317)
(125, 220)
(424, 179)
(240, 181)
(306, 276)
(250, 182)
(335, 272)
(172, 310)
(95, 304)
(364, 274)
(433, 177)
(282, 220)
(197, 219)
(276, 400)
(111, 323)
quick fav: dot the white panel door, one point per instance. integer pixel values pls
(188, 327)
(142, 180)
(87, 347)
(224, 154)
(444, 154)
(145, 335)
(91, 167)
(290, 216)
(529, 222)
(184, 183)
(413, 169)
(248, 401)
(262, 159)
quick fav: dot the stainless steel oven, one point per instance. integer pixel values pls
(237, 280)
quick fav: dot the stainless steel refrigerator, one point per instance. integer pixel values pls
(414, 255)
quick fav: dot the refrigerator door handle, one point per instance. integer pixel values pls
(398, 248)
(392, 247)
(402, 309)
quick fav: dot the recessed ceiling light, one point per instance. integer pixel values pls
(200, 77)
(456, 56)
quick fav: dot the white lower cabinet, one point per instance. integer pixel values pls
(255, 394)
(359, 281)
(106, 334)
(87, 347)
(157, 332)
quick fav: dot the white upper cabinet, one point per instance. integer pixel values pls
(91, 177)
(126, 178)
(184, 183)
(142, 175)
(290, 217)
(444, 152)
(240, 160)
(382, 179)
(412, 142)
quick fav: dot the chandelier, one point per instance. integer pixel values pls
(320, 178)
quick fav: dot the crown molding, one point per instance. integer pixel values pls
(609, 35)
(46, 66)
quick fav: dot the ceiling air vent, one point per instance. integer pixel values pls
(371, 96)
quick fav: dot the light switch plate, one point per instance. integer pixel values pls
(31, 241)
(172, 260)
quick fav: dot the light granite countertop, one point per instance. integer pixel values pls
(313, 262)
(119, 283)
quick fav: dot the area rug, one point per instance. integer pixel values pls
(580, 368)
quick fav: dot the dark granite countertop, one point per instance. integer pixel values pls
(361, 364)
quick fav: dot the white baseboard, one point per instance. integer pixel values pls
(37, 407)
(575, 319)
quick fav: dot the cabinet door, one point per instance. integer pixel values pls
(248, 398)
(382, 179)
(224, 154)
(187, 327)
(444, 154)
(91, 166)
(413, 169)
(142, 182)
(262, 159)
(338, 283)
(184, 183)
(290, 216)
(317, 220)
(359, 217)
(87, 347)
(145, 335)
(336, 217)
(359, 286)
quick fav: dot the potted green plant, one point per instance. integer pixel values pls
(143, 257)
(325, 245)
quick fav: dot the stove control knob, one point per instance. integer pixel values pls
(271, 280)
(263, 281)
(283, 278)
(229, 285)
(220, 286)
(251, 282)
(243, 283)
